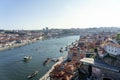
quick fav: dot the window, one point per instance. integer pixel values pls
(112, 50)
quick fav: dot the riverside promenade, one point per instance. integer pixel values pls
(46, 76)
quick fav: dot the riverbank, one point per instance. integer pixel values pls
(18, 45)
(24, 43)
(46, 76)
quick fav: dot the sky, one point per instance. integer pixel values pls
(38, 14)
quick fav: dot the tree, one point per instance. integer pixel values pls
(118, 36)
(97, 55)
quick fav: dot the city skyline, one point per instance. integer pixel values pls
(30, 14)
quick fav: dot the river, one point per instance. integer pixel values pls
(12, 66)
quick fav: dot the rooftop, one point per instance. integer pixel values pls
(99, 64)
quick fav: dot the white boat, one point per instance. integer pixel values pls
(27, 58)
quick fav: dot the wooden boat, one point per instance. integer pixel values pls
(33, 75)
(61, 50)
(47, 61)
(55, 60)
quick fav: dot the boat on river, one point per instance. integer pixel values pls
(66, 48)
(27, 58)
(61, 50)
(55, 60)
(47, 61)
(33, 75)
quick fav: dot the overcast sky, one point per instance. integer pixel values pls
(37, 14)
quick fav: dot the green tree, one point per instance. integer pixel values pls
(118, 36)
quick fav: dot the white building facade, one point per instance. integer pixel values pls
(112, 49)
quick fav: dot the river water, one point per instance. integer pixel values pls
(12, 66)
